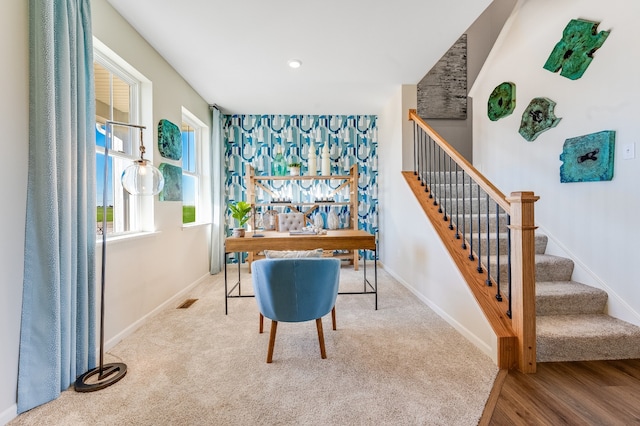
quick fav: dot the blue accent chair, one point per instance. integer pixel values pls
(296, 290)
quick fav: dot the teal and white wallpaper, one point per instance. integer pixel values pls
(257, 139)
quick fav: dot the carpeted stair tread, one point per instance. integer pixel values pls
(568, 298)
(540, 243)
(585, 337)
(548, 267)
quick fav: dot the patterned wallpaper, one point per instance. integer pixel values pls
(256, 139)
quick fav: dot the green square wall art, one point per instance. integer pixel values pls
(172, 190)
(588, 158)
(169, 140)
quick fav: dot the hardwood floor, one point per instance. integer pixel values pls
(567, 393)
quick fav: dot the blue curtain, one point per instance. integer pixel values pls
(57, 336)
(217, 192)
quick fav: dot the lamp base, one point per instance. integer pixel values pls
(107, 375)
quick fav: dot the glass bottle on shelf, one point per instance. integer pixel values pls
(279, 165)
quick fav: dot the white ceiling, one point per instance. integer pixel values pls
(355, 53)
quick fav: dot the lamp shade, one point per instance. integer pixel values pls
(142, 178)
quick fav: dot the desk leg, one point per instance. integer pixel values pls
(364, 267)
(375, 275)
(226, 295)
(238, 258)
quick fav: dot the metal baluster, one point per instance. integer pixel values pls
(438, 183)
(432, 153)
(498, 295)
(479, 268)
(416, 163)
(470, 220)
(509, 262)
(464, 212)
(488, 282)
(426, 159)
(450, 197)
(420, 153)
(457, 205)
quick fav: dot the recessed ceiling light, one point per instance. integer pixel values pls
(294, 63)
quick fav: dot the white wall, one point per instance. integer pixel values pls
(410, 248)
(142, 274)
(480, 38)
(595, 223)
(14, 113)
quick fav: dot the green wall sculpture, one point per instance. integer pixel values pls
(588, 158)
(169, 140)
(502, 101)
(172, 190)
(537, 118)
(575, 51)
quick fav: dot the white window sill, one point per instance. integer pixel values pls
(126, 237)
(194, 225)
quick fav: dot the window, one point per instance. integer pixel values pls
(118, 98)
(194, 183)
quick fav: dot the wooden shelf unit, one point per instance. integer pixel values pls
(307, 207)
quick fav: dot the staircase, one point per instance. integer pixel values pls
(571, 324)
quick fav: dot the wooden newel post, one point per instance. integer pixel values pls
(523, 277)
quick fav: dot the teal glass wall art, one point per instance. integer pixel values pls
(502, 101)
(537, 118)
(588, 158)
(169, 140)
(172, 190)
(574, 52)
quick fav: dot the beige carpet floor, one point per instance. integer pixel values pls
(398, 365)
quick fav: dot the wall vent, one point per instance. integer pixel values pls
(187, 303)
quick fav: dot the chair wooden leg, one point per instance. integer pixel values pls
(272, 340)
(333, 317)
(261, 323)
(323, 353)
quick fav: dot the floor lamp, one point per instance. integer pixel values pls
(140, 178)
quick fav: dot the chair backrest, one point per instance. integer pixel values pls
(295, 290)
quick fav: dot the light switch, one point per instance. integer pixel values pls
(629, 151)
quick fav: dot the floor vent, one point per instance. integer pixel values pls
(187, 303)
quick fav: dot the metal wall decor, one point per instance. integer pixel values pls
(172, 190)
(169, 140)
(537, 118)
(574, 52)
(502, 101)
(442, 93)
(588, 158)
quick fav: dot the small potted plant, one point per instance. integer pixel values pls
(240, 212)
(294, 169)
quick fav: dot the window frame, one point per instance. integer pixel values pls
(138, 210)
(201, 173)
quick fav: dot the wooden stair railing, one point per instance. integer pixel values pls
(513, 320)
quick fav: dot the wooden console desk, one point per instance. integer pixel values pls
(342, 239)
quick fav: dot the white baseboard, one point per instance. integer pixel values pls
(9, 414)
(483, 346)
(136, 325)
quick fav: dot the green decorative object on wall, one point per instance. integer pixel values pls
(575, 51)
(537, 118)
(172, 190)
(588, 158)
(502, 101)
(169, 140)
